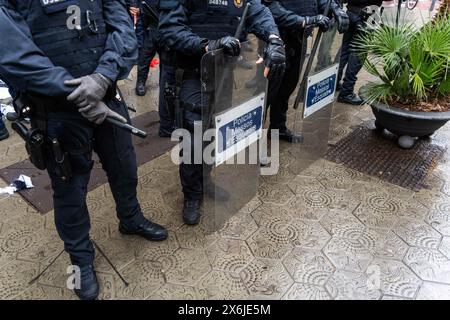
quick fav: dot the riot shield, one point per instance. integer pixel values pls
(315, 98)
(233, 98)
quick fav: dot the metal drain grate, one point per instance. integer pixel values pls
(370, 152)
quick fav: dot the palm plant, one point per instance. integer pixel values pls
(412, 64)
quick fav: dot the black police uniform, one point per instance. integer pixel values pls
(167, 70)
(148, 50)
(185, 28)
(289, 15)
(166, 66)
(351, 61)
(41, 53)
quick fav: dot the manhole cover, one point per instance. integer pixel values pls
(376, 154)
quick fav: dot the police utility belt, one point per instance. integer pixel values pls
(39, 146)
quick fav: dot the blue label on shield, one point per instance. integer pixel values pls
(321, 90)
(240, 128)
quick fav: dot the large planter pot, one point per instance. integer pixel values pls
(407, 124)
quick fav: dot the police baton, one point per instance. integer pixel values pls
(151, 13)
(311, 58)
(127, 127)
(242, 21)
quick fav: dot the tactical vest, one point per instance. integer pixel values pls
(152, 3)
(214, 19)
(78, 50)
(210, 19)
(301, 7)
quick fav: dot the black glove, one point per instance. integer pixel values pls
(342, 19)
(320, 21)
(99, 112)
(230, 45)
(275, 59)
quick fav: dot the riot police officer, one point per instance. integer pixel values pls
(292, 16)
(148, 18)
(146, 31)
(192, 28)
(64, 58)
(350, 61)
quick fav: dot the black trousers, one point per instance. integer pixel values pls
(191, 174)
(279, 103)
(349, 60)
(146, 53)
(79, 138)
(166, 77)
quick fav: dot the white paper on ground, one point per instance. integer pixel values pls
(5, 108)
(4, 93)
(8, 190)
(27, 181)
(11, 190)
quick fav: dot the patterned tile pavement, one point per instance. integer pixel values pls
(327, 233)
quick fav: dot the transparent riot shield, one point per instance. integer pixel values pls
(233, 98)
(315, 96)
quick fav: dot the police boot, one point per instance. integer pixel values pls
(147, 229)
(245, 64)
(141, 90)
(252, 83)
(164, 133)
(288, 136)
(191, 212)
(352, 99)
(291, 137)
(89, 287)
(4, 134)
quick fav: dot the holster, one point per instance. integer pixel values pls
(38, 145)
(172, 96)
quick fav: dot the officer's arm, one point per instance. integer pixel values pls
(174, 32)
(365, 3)
(22, 64)
(121, 49)
(323, 4)
(260, 21)
(283, 17)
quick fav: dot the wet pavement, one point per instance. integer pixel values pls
(327, 233)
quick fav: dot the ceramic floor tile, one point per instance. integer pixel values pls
(416, 233)
(346, 285)
(429, 265)
(445, 247)
(266, 279)
(222, 285)
(308, 266)
(434, 291)
(394, 278)
(301, 291)
(229, 255)
(348, 254)
(15, 276)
